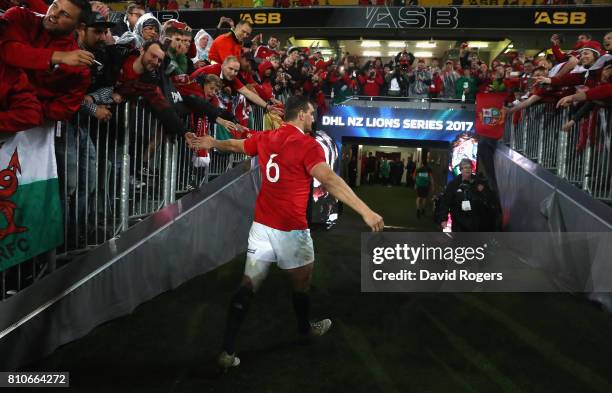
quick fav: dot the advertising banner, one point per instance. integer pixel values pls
(397, 123)
(409, 18)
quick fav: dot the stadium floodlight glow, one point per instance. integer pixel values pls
(391, 147)
(370, 44)
(478, 44)
(391, 53)
(371, 53)
(423, 54)
(396, 44)
(426, 44)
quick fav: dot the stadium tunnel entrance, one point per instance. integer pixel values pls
(355, 150)
(437, 135)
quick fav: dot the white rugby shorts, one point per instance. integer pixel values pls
(289, 249)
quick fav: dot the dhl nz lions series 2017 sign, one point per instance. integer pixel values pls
(429, 18)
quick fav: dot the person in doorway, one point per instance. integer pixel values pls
(385, 172)
(370, 168)
(424, 182)
(410, 169)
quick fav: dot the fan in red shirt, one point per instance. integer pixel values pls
(46, 49)
(228, 72)
(265, 52)
(371, 83)
(19, 107)
(230, 44)
(288, 160)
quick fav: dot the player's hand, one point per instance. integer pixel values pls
(227, 124)
(374, 221)
(74, 58)
(276, 110)
(203, 142)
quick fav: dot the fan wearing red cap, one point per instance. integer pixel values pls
(587, 75)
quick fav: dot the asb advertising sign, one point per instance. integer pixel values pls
(397, 123)
(404, 18)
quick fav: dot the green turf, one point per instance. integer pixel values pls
(439, 343)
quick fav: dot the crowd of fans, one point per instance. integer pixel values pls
(218, 74)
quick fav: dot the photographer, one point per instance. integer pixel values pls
(469, 200)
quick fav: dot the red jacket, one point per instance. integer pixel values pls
(264, 52)
(19, 108)
(436, 84)
(26, 44)
(35, 5)
(560, 56)
(577, 78)
(601, 92)
(371, 87)
(223, 46)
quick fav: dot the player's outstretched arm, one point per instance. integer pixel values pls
(338, 188)
(208, 142)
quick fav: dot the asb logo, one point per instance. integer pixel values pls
(492, 116)
(262, 18)
(560, 18)
(9, 184)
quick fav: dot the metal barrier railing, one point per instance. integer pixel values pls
(112, 175)
(582, 156)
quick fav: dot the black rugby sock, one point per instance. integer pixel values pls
(239, 306)
(301, 305)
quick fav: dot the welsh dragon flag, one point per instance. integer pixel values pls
(30, 209)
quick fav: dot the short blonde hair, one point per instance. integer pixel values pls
(211, 78)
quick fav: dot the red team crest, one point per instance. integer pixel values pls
(491, 116)
(8, 186)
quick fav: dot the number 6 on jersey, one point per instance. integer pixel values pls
(271, 165)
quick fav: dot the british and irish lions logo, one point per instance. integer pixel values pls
(492, 116)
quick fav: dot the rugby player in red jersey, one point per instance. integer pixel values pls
(288, 160)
